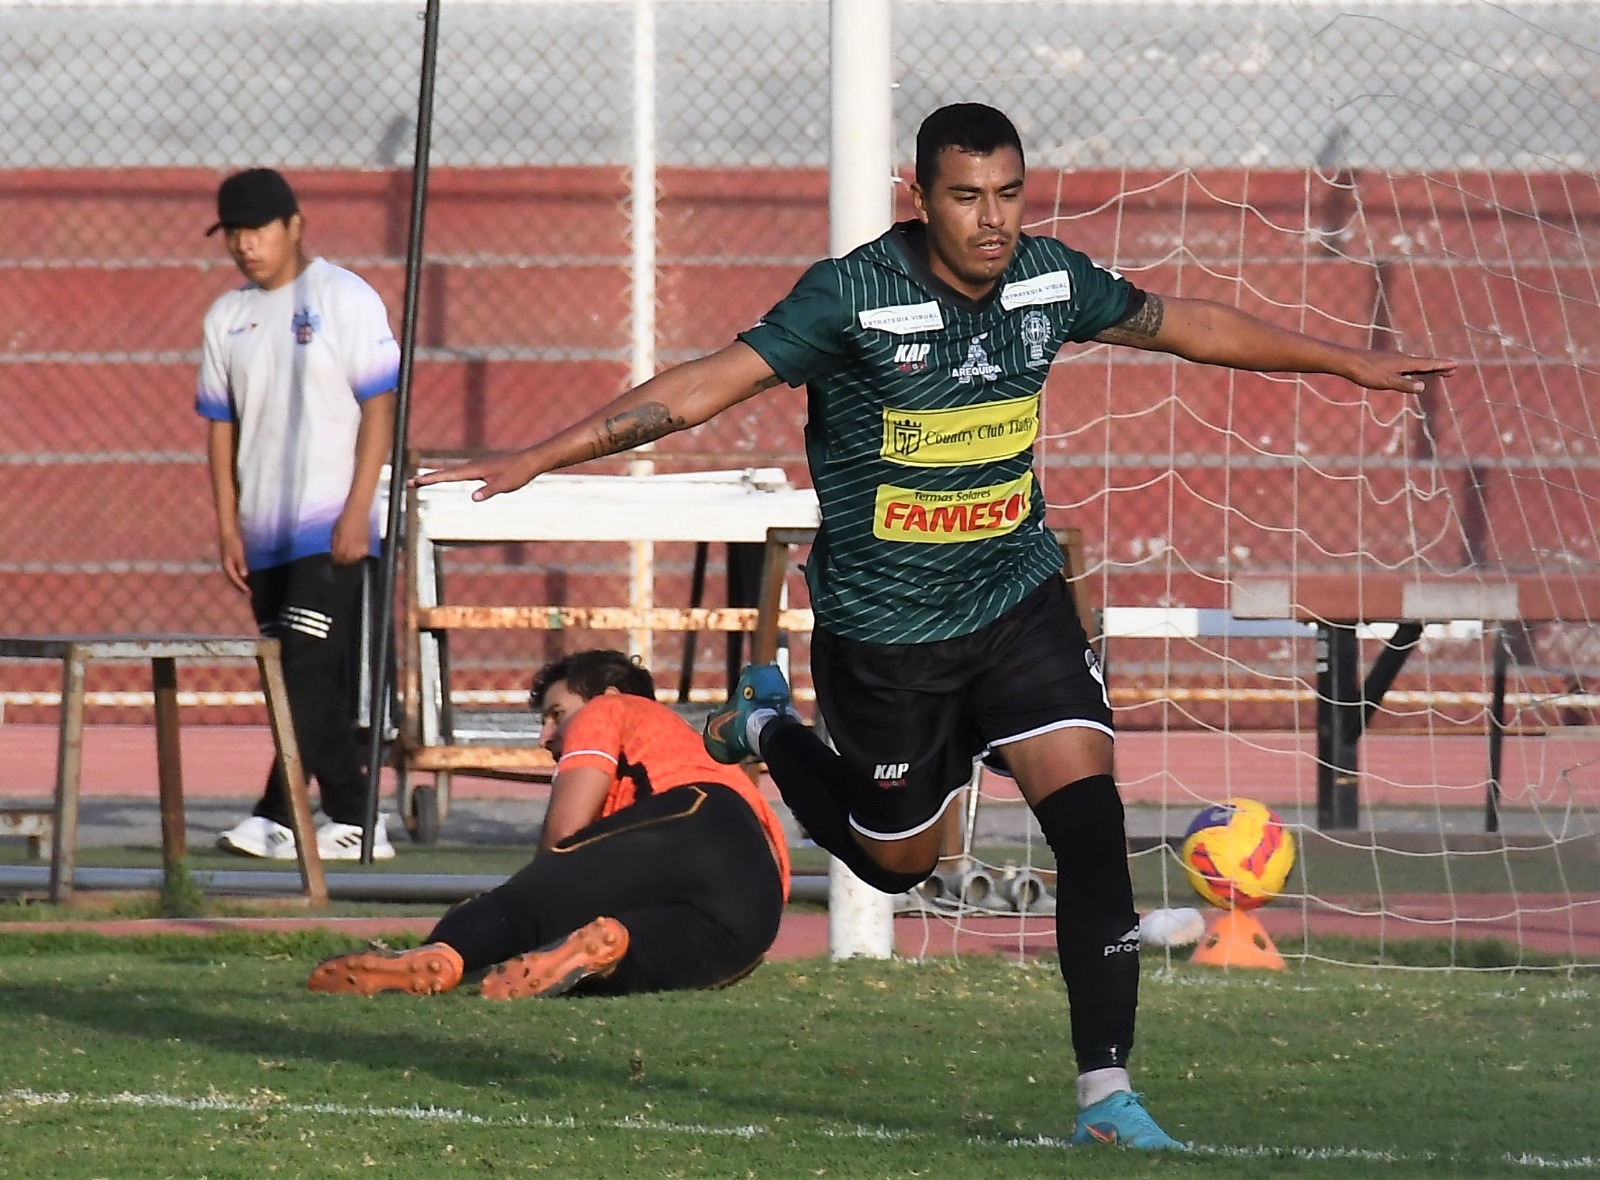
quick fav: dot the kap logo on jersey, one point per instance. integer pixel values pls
(912, 358)
(961, 437)
(944, 518)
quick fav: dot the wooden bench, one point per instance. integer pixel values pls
(733, 507)
(33, 824)
(76, 652)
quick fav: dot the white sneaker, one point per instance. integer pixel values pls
(259, 836)
(336, 841)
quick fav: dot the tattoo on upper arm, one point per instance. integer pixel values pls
(637, 426)
(768, 382)
(1139, 328)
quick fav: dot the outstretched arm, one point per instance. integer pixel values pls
(1215, 334)
(674, 400)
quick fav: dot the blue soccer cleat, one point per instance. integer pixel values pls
(1120, 1119)
(761, 686)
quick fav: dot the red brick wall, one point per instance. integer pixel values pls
(1176, 473)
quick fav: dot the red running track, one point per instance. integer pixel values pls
(1558, 770)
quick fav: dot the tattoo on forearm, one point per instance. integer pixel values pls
(1141, 326)
(637, 426)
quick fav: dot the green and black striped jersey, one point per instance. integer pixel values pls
(923, 407)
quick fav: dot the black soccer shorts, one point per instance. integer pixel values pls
(913, 717)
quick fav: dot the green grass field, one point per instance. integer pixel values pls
(178, 1056)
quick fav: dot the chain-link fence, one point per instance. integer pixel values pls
(1418, 173)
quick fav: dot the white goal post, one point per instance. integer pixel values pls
(860, 205)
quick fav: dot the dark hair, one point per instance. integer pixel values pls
(590, 673)
(967, 127)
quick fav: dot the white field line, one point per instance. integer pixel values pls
(447, 1115)
(1368, 1155)
(280, 4)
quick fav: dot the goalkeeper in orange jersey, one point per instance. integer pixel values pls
(942, 625)
(657, 869)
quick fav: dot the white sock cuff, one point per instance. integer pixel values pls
(753, 725)
(1098, 1084)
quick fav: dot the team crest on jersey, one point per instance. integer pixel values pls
(912, 358)
(305, 325)
(977, 366)
(1036, 334)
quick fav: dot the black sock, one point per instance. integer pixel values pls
(1097, 928)
(815, 784)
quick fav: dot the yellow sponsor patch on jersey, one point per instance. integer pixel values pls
(942, 518)
(960, 437)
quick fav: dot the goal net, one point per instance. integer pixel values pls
(1263, 553)
(1415, 177)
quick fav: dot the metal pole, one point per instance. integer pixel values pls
(641, 582)
(860, 207)
(1340, 714)
(383, 609)
(1497, 728)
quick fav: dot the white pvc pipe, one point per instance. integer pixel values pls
(1024, 891)
(860, 207)
(861, 134)
(641, 579)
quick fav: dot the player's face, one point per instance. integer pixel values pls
(268, 255)
(973, 211)
(559, 707)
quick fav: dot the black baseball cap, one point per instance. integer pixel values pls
(252, 198)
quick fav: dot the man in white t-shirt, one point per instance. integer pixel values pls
(297, 384)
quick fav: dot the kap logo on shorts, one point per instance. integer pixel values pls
(961, 437)
(944, 518)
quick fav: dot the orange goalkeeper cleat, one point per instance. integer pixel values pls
(421, 971)
(554, 970)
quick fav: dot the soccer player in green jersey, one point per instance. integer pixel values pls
(942, 627)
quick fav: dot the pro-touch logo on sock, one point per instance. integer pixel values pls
(1127, 944)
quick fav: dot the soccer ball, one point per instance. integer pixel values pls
(1238, 854)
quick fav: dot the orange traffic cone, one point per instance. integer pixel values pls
(1237, 939)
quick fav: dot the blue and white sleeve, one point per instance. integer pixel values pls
(371, 353)
(212, 399)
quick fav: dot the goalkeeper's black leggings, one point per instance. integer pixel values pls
(689, 872)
